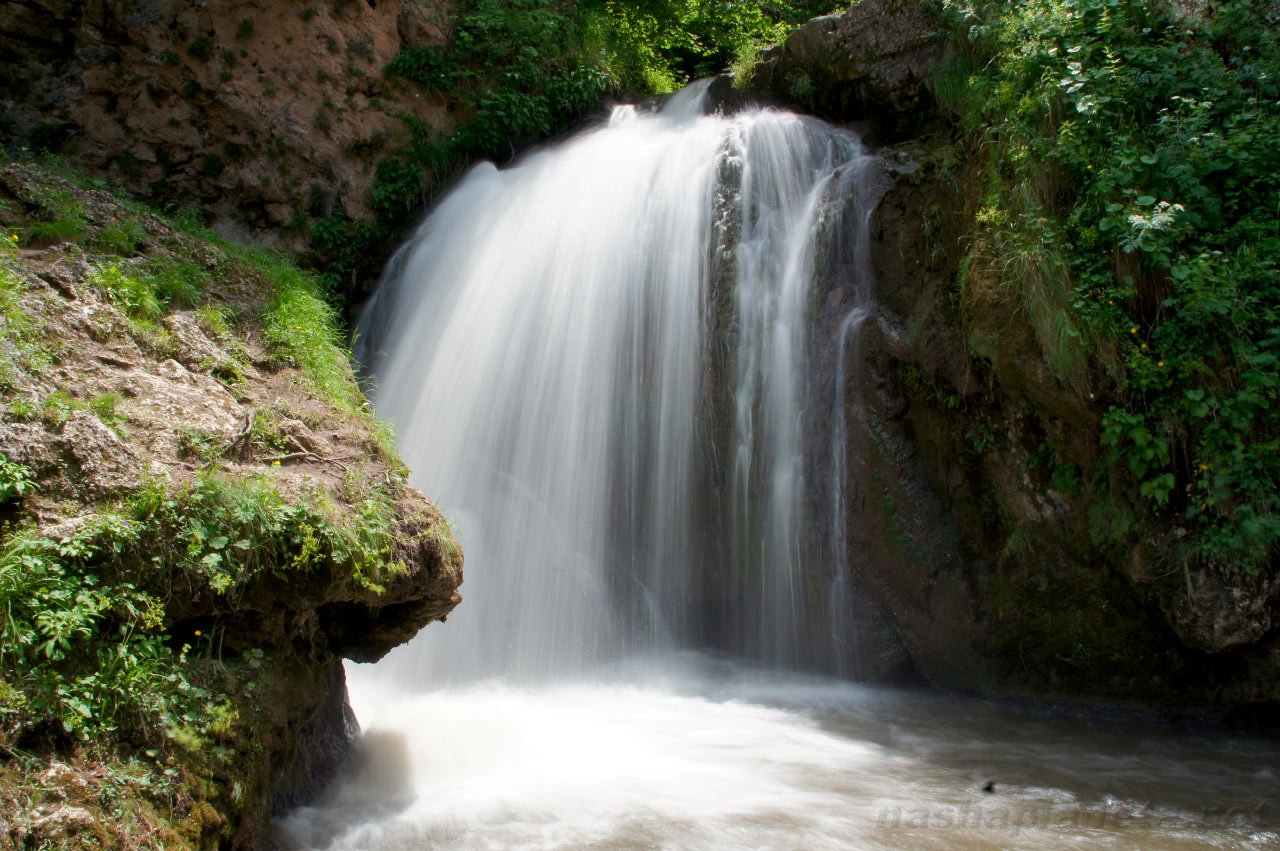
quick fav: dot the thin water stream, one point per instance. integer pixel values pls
(607, 368)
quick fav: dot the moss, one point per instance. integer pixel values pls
(131, 627)
(1065, 634)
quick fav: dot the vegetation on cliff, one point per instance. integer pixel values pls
(522, 70)
(196, 503)
(1132, 188)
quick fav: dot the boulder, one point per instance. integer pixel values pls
(870, 63)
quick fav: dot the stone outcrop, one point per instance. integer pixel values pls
(262, 112)
(871, 63)
(990, 569)
(112, 405)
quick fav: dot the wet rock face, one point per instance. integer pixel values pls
(985, 565)
(872, 62)
(261, 111)
(968, 549)
(324, 743)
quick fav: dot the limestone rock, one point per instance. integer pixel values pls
(101, 463)
(257, 110)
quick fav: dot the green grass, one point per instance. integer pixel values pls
(104, 407)
(122, 238)
(135, 296)
(177, 283)
(22, 347)
(55, 231)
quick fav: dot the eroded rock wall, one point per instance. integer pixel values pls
(101, 406)
(262, 111)
(974, 529)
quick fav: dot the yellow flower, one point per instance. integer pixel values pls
(1133, 330)
(275, 463)
(198, 633)
(1204, 466)
(1159, 363)
(1144, 345)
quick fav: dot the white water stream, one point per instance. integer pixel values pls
(600, 360)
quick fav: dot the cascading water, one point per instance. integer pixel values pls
(553, 348)
(622, 367)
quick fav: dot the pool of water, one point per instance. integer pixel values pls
(692, 752)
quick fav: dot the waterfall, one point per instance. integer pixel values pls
(604, 364)
(629, 367)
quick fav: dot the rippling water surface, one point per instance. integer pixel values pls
(689, 752)
(619, 365)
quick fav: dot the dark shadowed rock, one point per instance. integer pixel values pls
(995, 574)
(872, 62)
(324, 742)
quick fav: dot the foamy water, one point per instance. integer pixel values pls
(607, 367)
(687, 752)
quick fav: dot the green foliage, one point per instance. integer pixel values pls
(58, 407)
(15, 480)
(348, 249)
(55, 231)
(21, 344)
(59, 217)
(200, 445)
(136, 297)
(104, 407)
(176, 282)
(84, 636)
(211, 164)
(301, 330)
(201, 49)
(1135, 147)
(83, 654)
(121, 238)
(526, 69)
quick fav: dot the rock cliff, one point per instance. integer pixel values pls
(184, 443)
(975, 528)
(262, 112)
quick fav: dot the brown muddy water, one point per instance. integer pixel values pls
(690, 752)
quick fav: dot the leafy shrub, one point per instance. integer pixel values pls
(21, 343)
(1139, 145)
(15, 480)
(104, 407)
(84, 635)
(176, 282)
(121, 238)
(136, 297)
(200, 49)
